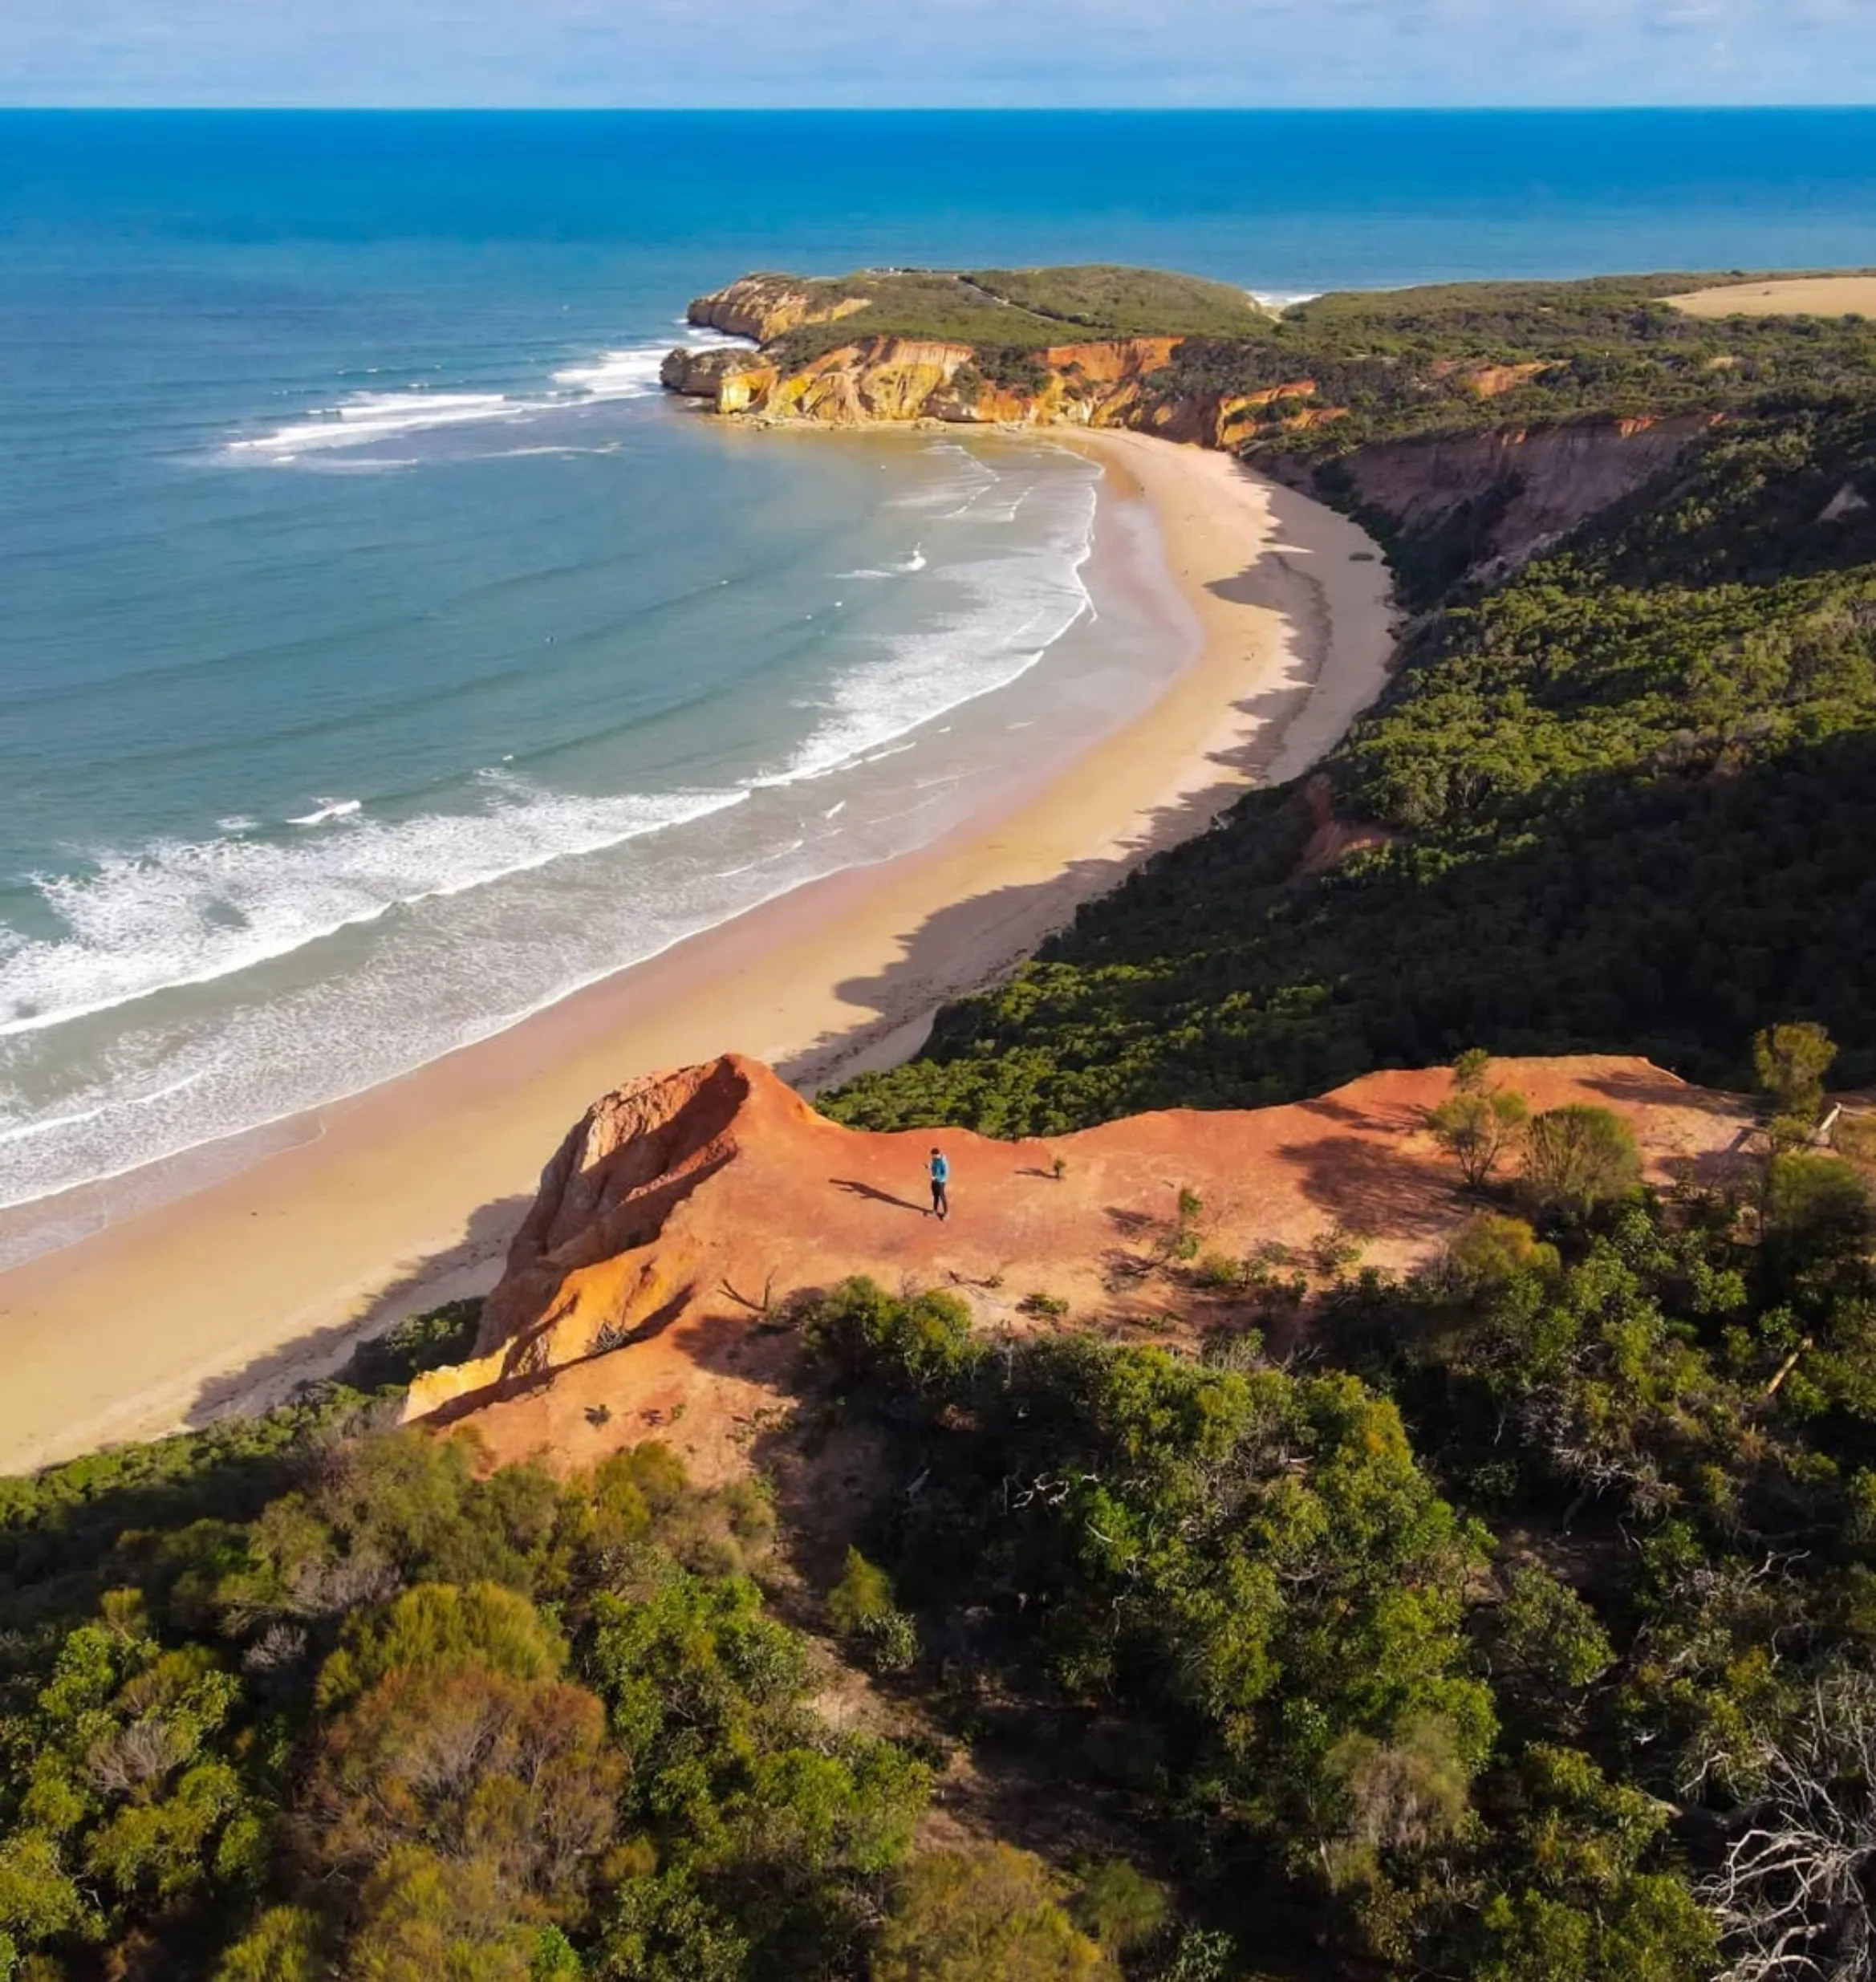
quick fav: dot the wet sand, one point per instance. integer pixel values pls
(383, 1204)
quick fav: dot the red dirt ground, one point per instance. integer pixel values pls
(642, 1294)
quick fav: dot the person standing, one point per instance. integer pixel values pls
(941, 1173)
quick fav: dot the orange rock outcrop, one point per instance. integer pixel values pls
(643, 1291)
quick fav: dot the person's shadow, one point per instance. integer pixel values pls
(873, 1190)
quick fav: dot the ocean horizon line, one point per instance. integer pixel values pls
(1847, 106)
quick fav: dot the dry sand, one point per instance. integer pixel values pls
(1794, 295)
(406, 1195)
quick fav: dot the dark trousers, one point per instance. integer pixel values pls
(940, 1203)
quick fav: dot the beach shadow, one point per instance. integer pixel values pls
(854, 1188)
(319, 1355)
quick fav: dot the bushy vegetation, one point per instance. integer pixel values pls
(301, 1696)
(1399, 363)
(1018, 311)
(1382, 365)
(408, 1718)
(58, 1529)
(1622, 801)
(1526, 1627)
(1501, 1637)
(1127, 301)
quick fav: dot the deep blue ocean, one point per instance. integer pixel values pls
(382, 656)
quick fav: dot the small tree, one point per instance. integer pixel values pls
(1488, 1249)
(1470, 1071)
(1817, 1208)
(1791, 1061)
(1578, 1159)
(1476, 1123)
(1544, 1636)
(1119, 1905)
(989, 1911)
(919, 1341)
(1402, 1794)
(862, 1607)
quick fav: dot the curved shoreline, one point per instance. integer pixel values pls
(404, 1196)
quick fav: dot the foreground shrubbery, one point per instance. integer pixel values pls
(298, 1698)
(1528, 1630)
(408, 1719)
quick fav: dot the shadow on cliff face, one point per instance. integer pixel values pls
(471, 1265)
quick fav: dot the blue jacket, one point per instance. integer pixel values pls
(940, 1170)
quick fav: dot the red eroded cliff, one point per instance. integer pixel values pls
(648, 1288)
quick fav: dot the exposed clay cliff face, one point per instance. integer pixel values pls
(892, 379)
(644, 1291)
(1494, 500)
(580, 1265)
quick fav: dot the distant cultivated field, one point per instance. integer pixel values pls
(1798, 295)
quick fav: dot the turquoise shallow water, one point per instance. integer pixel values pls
(382, 656)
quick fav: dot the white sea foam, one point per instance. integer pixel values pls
(1013, 610)
(52, 1124)
(186, 913)
(953, 497)
(172, 1080)
(325, 810)
(369, 416)
(904, 568)
(618, 373)
(364, 419)
(461, 923)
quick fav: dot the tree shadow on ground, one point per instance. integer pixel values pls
(1398, 1118)
(1653, 1089)
(1371, 1188)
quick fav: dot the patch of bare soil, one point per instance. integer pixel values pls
(647, 1293)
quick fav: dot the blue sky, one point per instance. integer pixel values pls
(903, 52)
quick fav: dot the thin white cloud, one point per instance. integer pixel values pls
(635, 52)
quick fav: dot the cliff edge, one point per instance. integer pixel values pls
(649, 1286)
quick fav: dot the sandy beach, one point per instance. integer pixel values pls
(381, 1205)
(1790, 295)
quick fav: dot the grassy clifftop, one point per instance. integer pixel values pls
(1021, 309)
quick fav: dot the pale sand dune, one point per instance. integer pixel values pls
(407, 1195)
(1795, 296)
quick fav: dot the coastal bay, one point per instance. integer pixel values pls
(379, 1206)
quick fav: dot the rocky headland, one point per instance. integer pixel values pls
(649, 1288)
(1462, 455)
